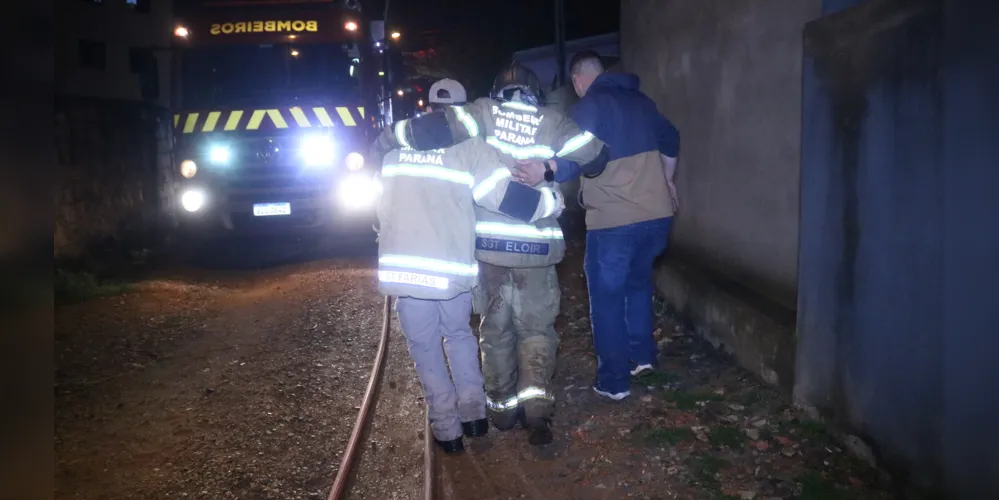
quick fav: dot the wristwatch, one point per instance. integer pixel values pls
(549, 174)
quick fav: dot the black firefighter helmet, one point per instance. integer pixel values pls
(516, 77)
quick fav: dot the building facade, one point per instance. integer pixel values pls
(114, 49)
(112, 125)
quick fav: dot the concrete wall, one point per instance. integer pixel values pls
(898, 311)
(120, 27)
(728, 74)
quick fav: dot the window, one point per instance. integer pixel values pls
(139, 5)
(92, 54)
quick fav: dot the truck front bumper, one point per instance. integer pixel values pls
(347, 209)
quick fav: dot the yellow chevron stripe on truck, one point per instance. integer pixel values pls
(269, 118)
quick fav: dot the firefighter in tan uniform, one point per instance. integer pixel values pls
(518, 295)
(426, 257)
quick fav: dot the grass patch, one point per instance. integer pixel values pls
(705, 469)
(725, 436)
(667, 436)
(816, 487)
(767, 435)
(751, 397)
(688, 400)
(71, 287)
(658, 378)
(718, 495)
(804, 429)
(812, 429)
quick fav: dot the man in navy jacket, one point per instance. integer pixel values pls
(629, 210)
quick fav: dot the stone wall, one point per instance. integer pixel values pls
(114, 167)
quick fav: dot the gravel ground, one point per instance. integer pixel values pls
(245, 384)
(237, 384)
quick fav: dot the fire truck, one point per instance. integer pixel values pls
(270, 124)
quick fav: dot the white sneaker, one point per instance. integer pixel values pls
(641, 370)
(616, 397)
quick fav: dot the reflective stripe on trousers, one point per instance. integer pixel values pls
(518, 339)
(511, 403)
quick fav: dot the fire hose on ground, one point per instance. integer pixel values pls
(354, 443)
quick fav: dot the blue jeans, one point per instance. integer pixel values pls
(618, 268)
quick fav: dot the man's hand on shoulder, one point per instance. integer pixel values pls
(529, 172)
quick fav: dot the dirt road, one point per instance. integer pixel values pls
(245, 384)
(231, 385)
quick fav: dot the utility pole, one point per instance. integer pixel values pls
(387, 64)
(560, 42)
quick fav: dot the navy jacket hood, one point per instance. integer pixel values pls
(627, 80)
(620, 115)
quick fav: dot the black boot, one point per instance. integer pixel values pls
(451, 447)
(539, 432)
(504, 421)
(475, 428)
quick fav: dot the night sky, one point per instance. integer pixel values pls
(518, 24)
(490, 31)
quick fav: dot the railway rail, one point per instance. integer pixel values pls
(430, 473)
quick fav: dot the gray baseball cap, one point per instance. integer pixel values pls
(447, 91)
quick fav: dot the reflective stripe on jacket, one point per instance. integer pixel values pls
(517, 129)
(502, 241)
(427, 216)
(521, 132)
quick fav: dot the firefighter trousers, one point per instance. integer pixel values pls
(458, 397)
(518, 340)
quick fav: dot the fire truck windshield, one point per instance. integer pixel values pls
(268, 74)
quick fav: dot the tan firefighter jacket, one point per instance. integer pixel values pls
(426, 216)
(521, 132)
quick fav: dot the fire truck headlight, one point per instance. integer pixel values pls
(355, 162)
(318, 151)
(188, 168)
(219, 155)
(192, 200)
(357, 191)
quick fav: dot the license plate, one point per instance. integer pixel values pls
(265, 209)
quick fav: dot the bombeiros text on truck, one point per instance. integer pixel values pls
(270, 124)
(296, 26)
